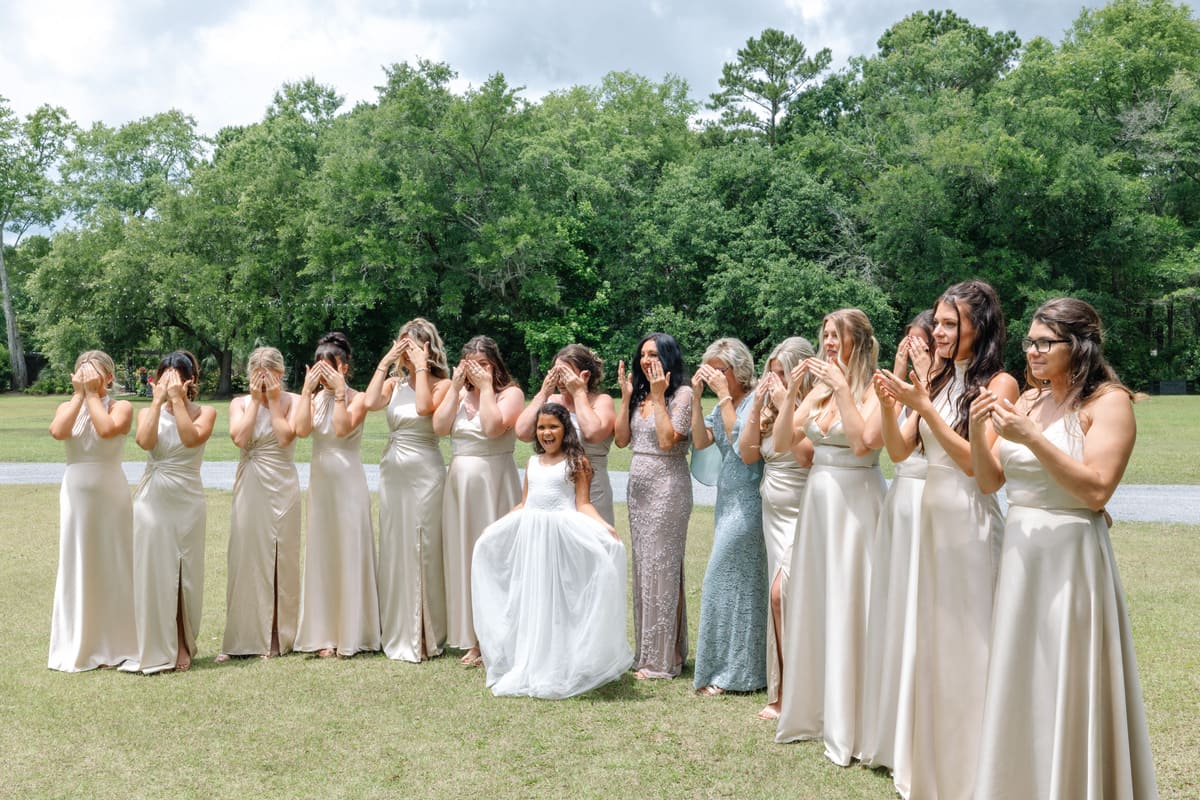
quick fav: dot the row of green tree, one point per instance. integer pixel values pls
(598, 213)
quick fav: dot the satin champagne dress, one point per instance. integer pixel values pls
(169, 515)
(264, 543)
(1063, 716)
(601, 485)
(891, 621)
(961, 530)
(825, 646)
(660, 504)
(782, 491)
(548, 589)
(92, 624)
(339, 603)
(482, 485)
(412, 587)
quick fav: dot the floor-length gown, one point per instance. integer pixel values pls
(92, 624)
(1063, 716)
(339, 603)
(264, 543)
(782, 491)
(168, 550)
(825, 644)
(961, 530)
(601, 486)
(732, 637)
(548, 591)
(660, 503)
(412, 588)
(891, 621)
(482, 485)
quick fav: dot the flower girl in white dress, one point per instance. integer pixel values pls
(548, 579)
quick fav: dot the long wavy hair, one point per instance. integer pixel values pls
(486, 346)
(854, 329)
(789, 353)
(422, 331)
(584, 359)
(1090, 373)
(671, 357)
(978, 299)
(577, 461)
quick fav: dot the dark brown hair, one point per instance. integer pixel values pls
(584, 359)
(577, 461)
(987, 356)
(1079, 323)
(486, 346)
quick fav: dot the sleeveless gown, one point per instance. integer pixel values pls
(168, 549)
(482, 485)
(601, 486)
(264, 543)
(826, 598)
(412, 589)
(660, 503)
(891, 621)
(92, 624)
(733, 601)
(339, 604)
(1063, 716)
(548, 591)
(782, 491)
(961, 530)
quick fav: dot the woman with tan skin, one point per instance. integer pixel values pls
(575, 380)
(961, 529)
(478, 412)
(168, 519)
(339, 604)
(1063, 714)
(262, 598)
(895, 558)
(785, 474)
(412, 589)
(824, 666)
(733, 600)
(656, 409)
(92, 623)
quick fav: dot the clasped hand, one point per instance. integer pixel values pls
(1004, 418)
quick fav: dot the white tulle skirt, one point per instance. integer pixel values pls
(548, 595)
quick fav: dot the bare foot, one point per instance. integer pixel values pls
(769, 711)
(473, 658)
(328, 652)
(222, 658)
(183, 665)
(710, 691)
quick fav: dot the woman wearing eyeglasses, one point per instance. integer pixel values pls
(1063, 716)
(960, 534)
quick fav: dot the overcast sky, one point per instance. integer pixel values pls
(222, 60)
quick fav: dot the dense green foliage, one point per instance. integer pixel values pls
(596, 214)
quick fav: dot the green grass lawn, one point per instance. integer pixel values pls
(1168, 437)
(368, 727)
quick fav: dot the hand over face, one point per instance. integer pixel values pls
(624, 380)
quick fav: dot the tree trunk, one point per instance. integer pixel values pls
(16, 352)
(225, 379)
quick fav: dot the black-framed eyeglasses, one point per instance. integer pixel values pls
(1041, 345)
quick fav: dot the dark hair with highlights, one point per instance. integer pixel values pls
(670, 356)
(486, 346)
(333, 347)
(1079, 323)
(982, 306)
(584, 359)
(183, 362)
(577, 460)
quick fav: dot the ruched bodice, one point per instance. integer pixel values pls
(86, 446)
(409, 430)
(1027, 481)
(172, 460)
(264, 448)
(549, 489)
(832, 448)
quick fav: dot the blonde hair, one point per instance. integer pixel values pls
(737, 356)
(423, 331)
(855, 330)
(268, 358)
(98, 358)
(789, 353)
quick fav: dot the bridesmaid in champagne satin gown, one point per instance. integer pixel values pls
(785, 475)
(575, 380)
(479, 412)
(169, 516)
(412, 476)
(961, 529)
(654, 422)
(339, 602)
(1063, 716)
(826, 597)
(92, 624)
(262, 597)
